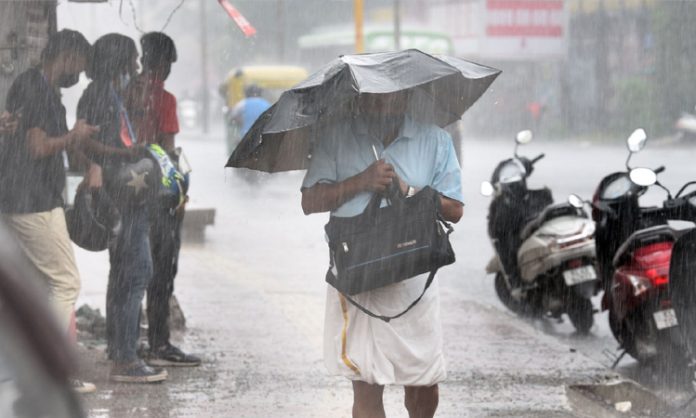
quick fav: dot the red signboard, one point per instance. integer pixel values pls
(526, 18)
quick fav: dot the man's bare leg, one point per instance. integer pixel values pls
(421, 401)
(367, 400)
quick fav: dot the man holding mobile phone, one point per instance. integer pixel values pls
(32, 170)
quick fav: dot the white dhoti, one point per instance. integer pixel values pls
(406, 351)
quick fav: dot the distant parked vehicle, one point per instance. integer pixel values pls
(272, 79)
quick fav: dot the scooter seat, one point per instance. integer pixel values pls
(550, 212)
(645, 237)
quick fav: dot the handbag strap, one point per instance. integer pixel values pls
(389, 318)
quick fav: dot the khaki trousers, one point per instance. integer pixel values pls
(44, 239)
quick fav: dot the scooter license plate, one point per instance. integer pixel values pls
(579, 275)
(665, 319)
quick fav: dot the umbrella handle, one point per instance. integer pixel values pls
(394, 192)
(393, 195)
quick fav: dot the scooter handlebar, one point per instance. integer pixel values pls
(659, 169)
(537, 158)
(681, 208)
(604, 207)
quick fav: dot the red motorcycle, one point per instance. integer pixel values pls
(634, 249)
(640, 309)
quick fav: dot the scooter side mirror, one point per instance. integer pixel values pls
(643, 176)
(636, 141)
(524, 137)
(487, 189)
(576, 201)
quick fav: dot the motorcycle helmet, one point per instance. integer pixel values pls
(174, 183)
(93, 220)
(132, 185)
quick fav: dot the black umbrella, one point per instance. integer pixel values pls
(440, 90)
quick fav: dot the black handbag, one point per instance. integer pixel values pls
(385, 245)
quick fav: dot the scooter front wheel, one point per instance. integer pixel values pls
(520, 307)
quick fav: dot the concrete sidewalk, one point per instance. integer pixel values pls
(253, 296)
(261, 344)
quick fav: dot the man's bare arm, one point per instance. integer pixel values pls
(326, 197)
(451, 209)
(93, 148)
(41, 145)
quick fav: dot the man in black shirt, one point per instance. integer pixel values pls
(32, 171)
(118, 151)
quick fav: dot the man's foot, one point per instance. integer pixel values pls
(80, 386)
(169, 355)
(137, 372)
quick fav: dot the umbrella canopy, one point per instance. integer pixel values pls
(440, 89)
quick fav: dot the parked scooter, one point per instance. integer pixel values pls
(634, 248)
(678, 310)
(545, 252)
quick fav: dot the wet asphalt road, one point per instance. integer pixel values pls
(253, 295)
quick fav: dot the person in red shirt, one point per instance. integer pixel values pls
(153, 110)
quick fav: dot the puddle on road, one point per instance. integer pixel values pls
(618, 398)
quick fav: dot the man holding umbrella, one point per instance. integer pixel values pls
(360, 125)
(341, 178)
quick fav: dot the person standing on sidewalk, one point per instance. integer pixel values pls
(342, 178)
(32, 169)
(114, 61)
(153, 111)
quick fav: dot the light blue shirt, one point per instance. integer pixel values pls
(422, 155)
(249, 109)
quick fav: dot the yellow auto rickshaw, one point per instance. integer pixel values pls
(272, 79)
